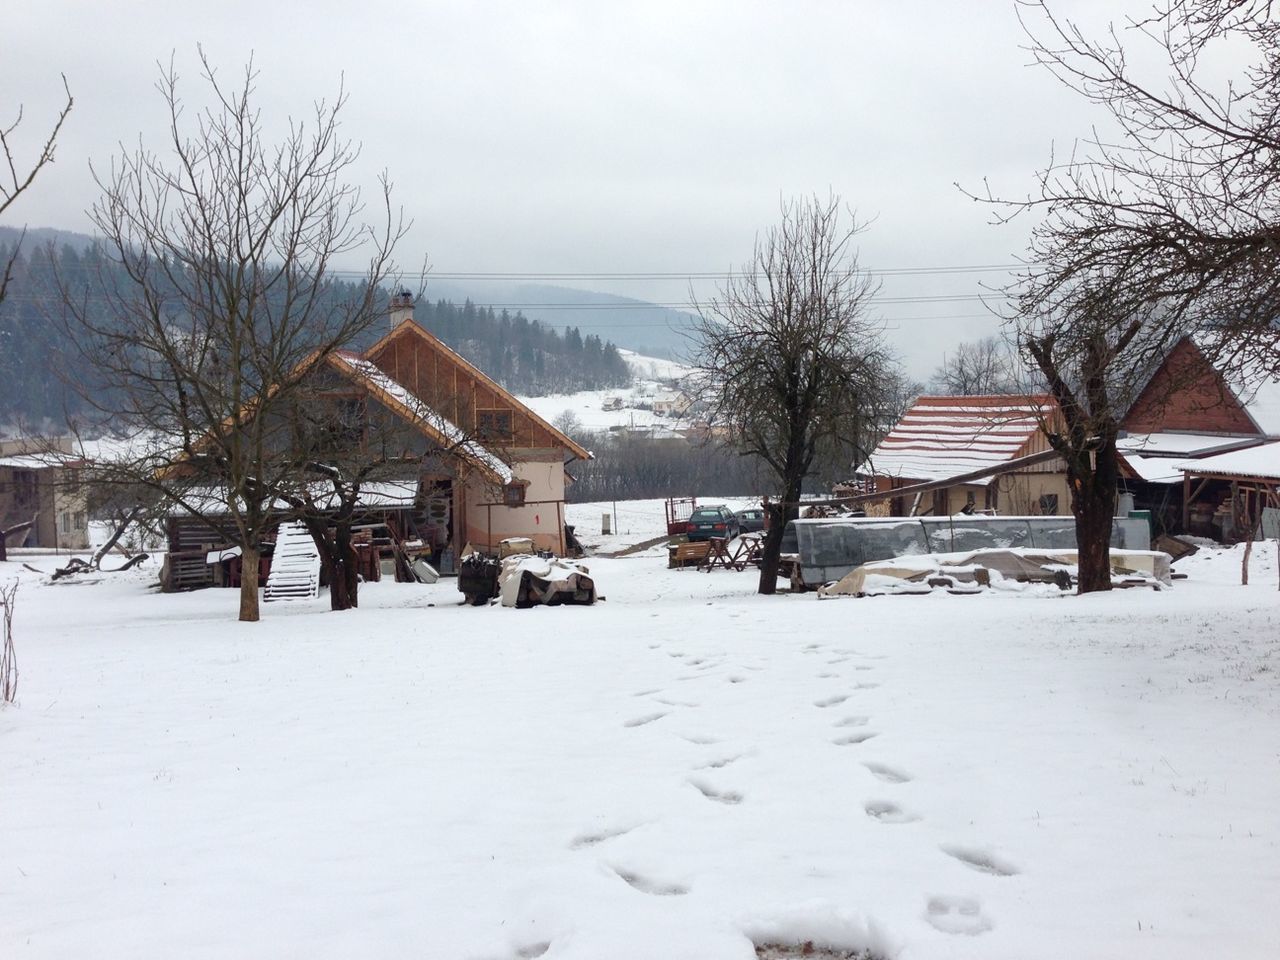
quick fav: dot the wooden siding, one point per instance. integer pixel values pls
(1186, 393)
(448, 383)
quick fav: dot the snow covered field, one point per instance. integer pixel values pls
(668, 774)
(651, 376)
(636, 521)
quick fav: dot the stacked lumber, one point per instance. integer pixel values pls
(295, 565)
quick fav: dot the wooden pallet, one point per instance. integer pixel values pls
(295, 566)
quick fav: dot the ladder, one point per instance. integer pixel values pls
(295, 565)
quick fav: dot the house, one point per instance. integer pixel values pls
(40, 481)
(671, 404)
(944, 437)
(1191, 410)
(513, 478)
(475, 465)
(1188, 411)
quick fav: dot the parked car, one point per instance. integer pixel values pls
(750, 520)
(708, 522)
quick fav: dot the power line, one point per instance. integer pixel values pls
(683, 275)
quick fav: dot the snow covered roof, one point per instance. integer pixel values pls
(212, 500)
(1262, 402)
(27, 461)
(1155, 457)
(1152, 469)
(942, 437)
(1174, 444)
(1262, 462)
(449, 432)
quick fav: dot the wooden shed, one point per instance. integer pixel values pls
(941, 437)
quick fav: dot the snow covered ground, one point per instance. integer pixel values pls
(671, 773)
(651, 376)
(632, 521)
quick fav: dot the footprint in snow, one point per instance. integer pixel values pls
(887, 773)
(719, 796)
(721, 762)
(863, 666)
(532, 951)
(886, 811)
(865, 685)
(853, 721)
(652, 887)
(833, 662)
(701, 741)
(827, 676)
(666, 702)
(862, 736)
(736, 679)
(600, 836)
(962, 915)
(647, 718)
(831, 701)
(984, 861)
(647, 693)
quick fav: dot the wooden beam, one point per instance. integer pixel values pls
(1009, 466)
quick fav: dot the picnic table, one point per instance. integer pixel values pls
(747, 550)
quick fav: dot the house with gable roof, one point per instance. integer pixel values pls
(1194, 435)
(473, 464)
(944, 437)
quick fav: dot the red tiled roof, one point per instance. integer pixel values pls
(942, 437)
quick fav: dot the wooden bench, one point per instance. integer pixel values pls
(687, 554)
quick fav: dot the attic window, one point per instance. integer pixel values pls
(513, 493)
(495, 424)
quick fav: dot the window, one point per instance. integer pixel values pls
(65, 517)
(80, 520)
(24, 488)
(494, 424)
(513, 493)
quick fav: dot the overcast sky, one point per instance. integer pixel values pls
(590, 137)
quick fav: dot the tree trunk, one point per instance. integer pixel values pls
(779, 515)
(114, 538)
(1093, 482)
(1246, 517)
(347, 565)
(249, 584)
(771, 553)
(1093, 541)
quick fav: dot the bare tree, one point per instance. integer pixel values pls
(8, 654)
(1173, 200)
(795, 369)
(568, 423)
(985, 366)
(1159, 225)
(18, 176)
(1093, 363)
(228, 242)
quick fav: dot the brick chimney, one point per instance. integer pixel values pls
(401, 307)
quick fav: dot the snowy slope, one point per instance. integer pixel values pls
(667, 774)
(652, 379)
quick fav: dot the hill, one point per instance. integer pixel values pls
(37, 364)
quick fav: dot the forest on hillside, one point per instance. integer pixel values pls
(37, 367)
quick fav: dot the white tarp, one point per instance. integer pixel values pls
(555, 575)
(912, 573)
